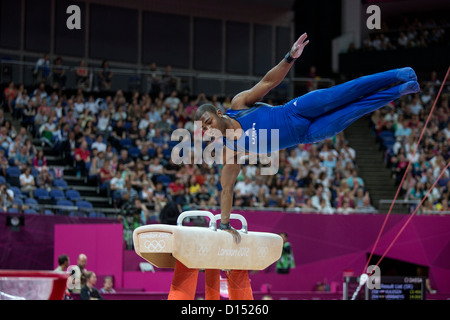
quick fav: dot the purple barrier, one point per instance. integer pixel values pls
(256, 295)
(201, 295)
(30, 247)
(324, 247)
(101, 243)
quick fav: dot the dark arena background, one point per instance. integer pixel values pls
(91, 96)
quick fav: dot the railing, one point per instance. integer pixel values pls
(129, 79)
(411, 202)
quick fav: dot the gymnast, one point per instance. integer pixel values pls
(315, 116)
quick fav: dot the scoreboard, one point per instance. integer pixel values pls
(391, 288)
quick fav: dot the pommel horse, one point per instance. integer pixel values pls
(188, 249)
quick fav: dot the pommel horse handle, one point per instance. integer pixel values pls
(212, 218)
(239, 217)
(197, 213)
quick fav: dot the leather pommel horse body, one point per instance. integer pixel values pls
(188, 249)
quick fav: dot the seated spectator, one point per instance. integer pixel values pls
(82, 160)
(273, 200)
(176, 188)
(39, 160)
(103, 124)
(105, 175)
(97, 160)
(194, 186)
(41, 71)
(158, 139)
(316, 199)
(21, 102)
(287, 198)
(117, 134)
(127, 161)
(359, 197)
(48, 131)
(345, 208)
(40, 119)
(203, 198)
(108, 285)
(29, 111)
(160, 196)
(142, 210)
(79, 106)
(4, 163)
(354, 178)
(307, 207)
(68, 147)
(199, 177)
(300, 197)
(416, 194)
(138, 176)
(144, 157)
(105, 76)
(427, 207)
(117, 185)
(244, 190)
(172, 101)
(59, 74)
(155, 168)
(45, 179)
(366, 207)
(82, 76)
(9, 96)
(99, 144)
(168, 82)
(6, 197)
(14, 148)
(22, 159)
(324, 207)
(70, 117)
(147, 190)
(5, 139)
(129, 194)
(403, 129)
(27, 183)
(89, 292)
(133, 130)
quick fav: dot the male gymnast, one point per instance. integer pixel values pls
(310, 118)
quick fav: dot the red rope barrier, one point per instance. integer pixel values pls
(401, 183)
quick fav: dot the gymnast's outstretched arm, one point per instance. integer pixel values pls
(230, 171)
(272, 78)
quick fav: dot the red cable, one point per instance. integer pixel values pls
(406, 171)
(412, 214)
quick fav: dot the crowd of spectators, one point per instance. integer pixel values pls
(404, 120)
(122, 143)
(414, 33)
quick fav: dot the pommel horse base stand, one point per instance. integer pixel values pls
(188, 249)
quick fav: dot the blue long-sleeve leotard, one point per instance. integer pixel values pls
(319, 114)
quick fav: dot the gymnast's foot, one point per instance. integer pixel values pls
(409, 87)
(406, 74)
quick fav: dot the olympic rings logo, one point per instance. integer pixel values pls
(155, 245)
(262, 252)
